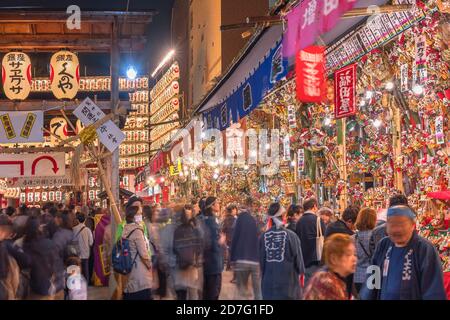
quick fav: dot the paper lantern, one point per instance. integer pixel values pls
(64, 75)
(79, 126)
(58, 126)
(16, 75)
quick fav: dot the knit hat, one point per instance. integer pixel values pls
(401, 211)
(134, 198)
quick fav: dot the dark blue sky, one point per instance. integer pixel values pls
(159, 37)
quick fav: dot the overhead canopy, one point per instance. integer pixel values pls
(250, 59)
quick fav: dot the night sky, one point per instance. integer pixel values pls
(159, 38)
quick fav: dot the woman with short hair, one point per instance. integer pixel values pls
(331, 282)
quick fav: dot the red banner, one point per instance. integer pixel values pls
(310, 70)
(157, 163)
(345, 92)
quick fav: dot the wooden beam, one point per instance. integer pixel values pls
(36, 149)
(8, 105)
(23, 16)
(45, 37)
(78, 43)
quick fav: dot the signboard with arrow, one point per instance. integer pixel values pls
(32, 165)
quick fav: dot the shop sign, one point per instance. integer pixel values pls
(344, 94)
(421, 57)
(16, 75)
(310, 19)
(33, 182)
(109, 133)
(310, 69)
(32, 165)
(175, 170)
(64, 74)
(21, 126)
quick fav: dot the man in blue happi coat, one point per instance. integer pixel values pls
(405, 266)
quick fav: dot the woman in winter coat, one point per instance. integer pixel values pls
(45, 259)
(139, 280)
(281, 259)
(9, 270)
(62, 238)
(365, 223)
(331, 283)
(187, 247)
(212, 253)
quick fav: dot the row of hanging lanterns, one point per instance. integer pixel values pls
(64, 75)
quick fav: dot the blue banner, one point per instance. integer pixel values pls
(250, 93)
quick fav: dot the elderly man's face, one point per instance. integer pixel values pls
(400, 229)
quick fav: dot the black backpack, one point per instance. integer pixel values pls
(187, 246)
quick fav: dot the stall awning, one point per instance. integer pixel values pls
(255, 52)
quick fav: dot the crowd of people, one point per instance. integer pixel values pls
(50, 253)
(180, 251)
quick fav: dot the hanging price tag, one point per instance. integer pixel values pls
(301, 161)
(287, 148)
(439, 124)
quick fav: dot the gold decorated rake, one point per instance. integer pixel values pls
(88, 135)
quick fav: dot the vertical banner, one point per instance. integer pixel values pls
(301, 161)
(64, 75)
(310, 19)
(310, 69)
(421, 58)
(16, 75)
(287, 148)
(404, 77)
(291, 117)
(345, 92)
(439, 124)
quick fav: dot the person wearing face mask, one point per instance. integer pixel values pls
(409, 267)
(138, 284)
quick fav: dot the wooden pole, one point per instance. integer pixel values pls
(397, 144)
(343, 199)
(115, 282)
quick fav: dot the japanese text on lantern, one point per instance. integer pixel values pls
(310, 74)
(16, 77)
(64, 75)
(345, 98)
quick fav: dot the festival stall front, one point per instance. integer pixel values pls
(381, 122)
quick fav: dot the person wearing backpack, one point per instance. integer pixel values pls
(187, 246)
(139, 280)
(85, 240)
(365, 223)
